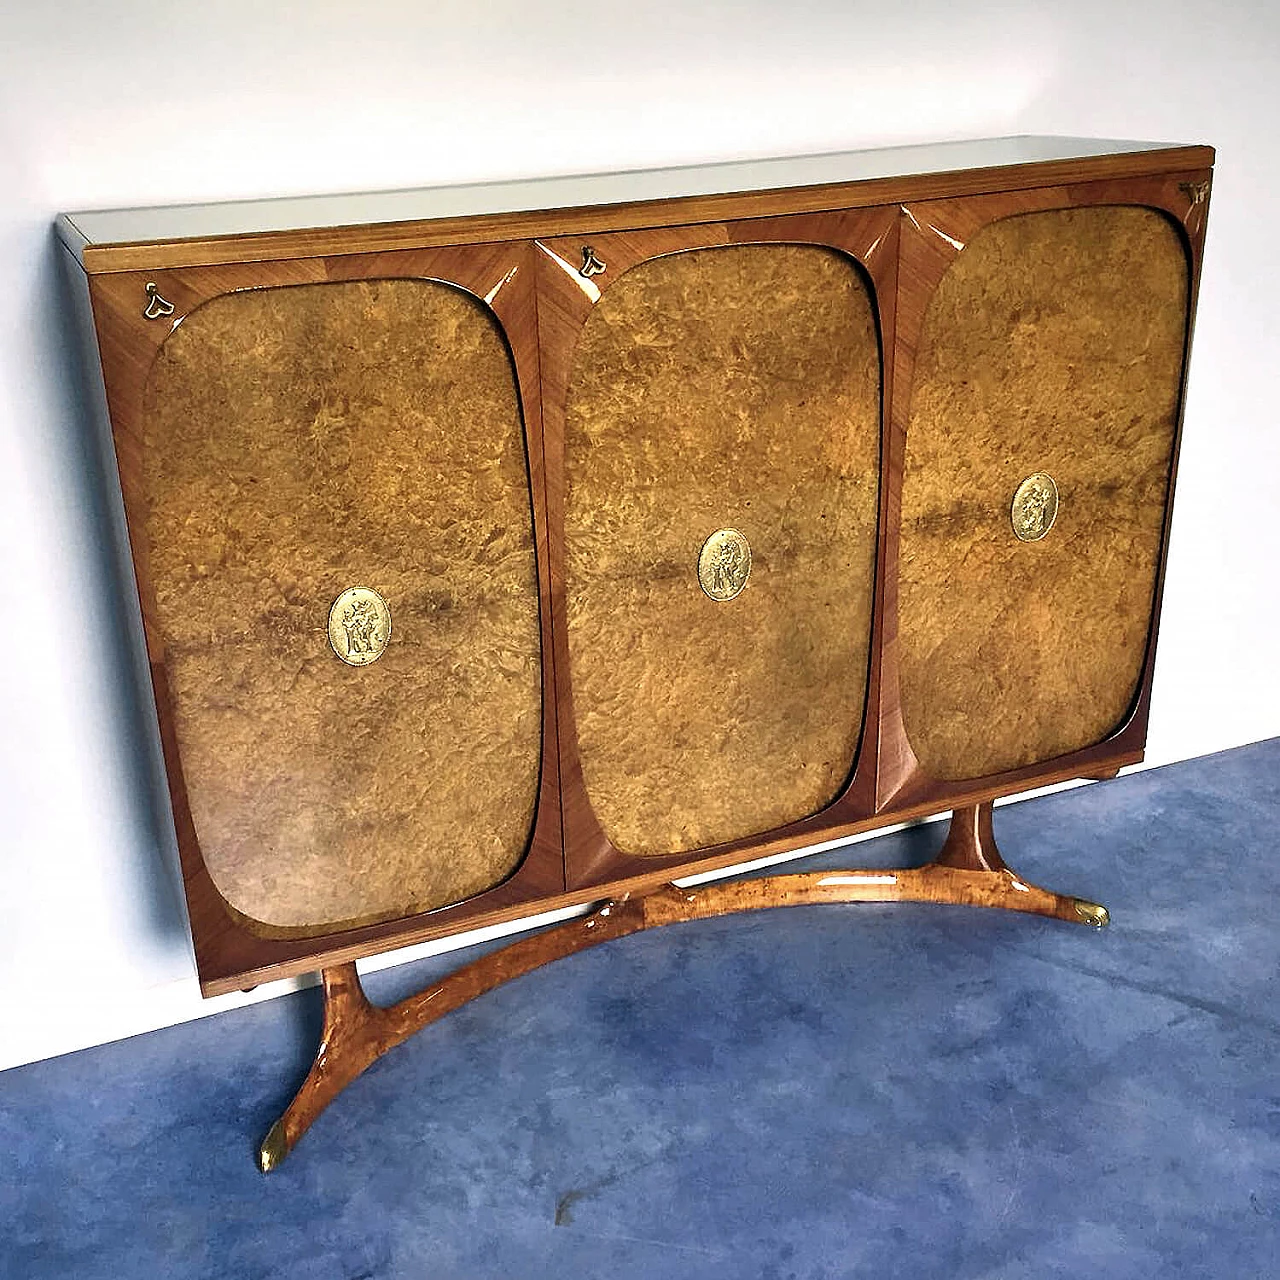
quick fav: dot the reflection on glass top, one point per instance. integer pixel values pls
(197, 221)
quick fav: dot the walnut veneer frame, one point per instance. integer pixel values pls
(513, 248)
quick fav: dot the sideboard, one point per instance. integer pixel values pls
(535, 545)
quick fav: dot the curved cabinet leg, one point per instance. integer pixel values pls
(968, 870)
(357, 1033)
(348, 1045)
(971, 847)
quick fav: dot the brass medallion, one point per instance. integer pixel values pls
(359, 626)
(724, 564)
(1035, 506)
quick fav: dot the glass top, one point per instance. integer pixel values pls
(247, 217)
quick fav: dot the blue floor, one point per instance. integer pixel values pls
(901, 1091)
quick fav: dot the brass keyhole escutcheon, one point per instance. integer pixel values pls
(157, 307)
(724, 564)
(359, 626)
(1035, 507)
(1196, 192)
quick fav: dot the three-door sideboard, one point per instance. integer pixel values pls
(534, 545)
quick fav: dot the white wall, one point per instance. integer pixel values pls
(160, 101)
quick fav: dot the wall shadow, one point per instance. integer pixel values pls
(93, 492)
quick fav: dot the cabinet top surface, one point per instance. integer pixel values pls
(100, 229)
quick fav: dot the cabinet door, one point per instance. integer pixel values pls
(1040, 406)
(717, 391)
(330, 488)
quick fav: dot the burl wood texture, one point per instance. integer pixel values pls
(298, 441)
(1053, 343)
(968, 870)
(731, 386)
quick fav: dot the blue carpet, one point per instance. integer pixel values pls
(901, 1091)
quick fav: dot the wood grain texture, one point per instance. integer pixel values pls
(905, 254)
(1053, 343)
(565, 302)
(239, 959)
(230, 953)
(594, 220)
(932, 235)
(724, 387)
(968, 871)
(297, 442)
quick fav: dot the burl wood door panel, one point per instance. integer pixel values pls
(1054, 343)
(296, 442)
(727, 387)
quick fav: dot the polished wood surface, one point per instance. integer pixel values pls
(728, 387)
(220, 219)
(273, 246)
(283, 437)
(868, 238)
(967, 871)
(540, 299)
(1053, 344)
(249, 959)
(232, 949)
(932, 237)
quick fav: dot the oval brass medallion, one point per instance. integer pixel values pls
(359, 626)
(1035, 506)
(724, 564)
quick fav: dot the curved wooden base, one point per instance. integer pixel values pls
(968, 870)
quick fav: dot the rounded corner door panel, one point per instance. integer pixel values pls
(340, 555)
(722, 441)
(1040, 436)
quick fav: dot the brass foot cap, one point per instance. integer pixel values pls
(274, 1148)
(1092, 913)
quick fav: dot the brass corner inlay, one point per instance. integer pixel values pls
(1035, 507)
(359, 626)
(157, 307)
(724, 564)
(591, 265)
